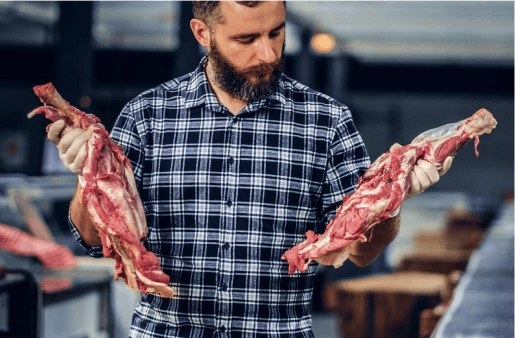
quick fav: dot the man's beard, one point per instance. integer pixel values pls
(239, 84)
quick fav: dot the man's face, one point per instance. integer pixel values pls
(246, 49)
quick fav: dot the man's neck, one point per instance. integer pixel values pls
(232, 104)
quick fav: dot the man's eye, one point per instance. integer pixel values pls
(274, 35)
(246, 41)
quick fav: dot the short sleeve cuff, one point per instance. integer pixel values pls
(93, 251)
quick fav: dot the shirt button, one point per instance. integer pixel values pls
(231, 160)
(223, 287)
(229, 203)
(227, 246)
(222, 329)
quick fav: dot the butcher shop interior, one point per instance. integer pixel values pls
(401, 67)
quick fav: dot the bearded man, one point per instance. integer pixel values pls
(234, 162)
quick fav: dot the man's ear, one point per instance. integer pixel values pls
(201, 32)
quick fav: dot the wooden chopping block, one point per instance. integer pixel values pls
(436, 260)
(462, 218)
(429, 318)
(467, 240)
(388, 305)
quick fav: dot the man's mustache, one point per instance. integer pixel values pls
(258, 69)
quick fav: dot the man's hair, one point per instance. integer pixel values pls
(209, 11)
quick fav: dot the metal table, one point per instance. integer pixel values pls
(483, 302)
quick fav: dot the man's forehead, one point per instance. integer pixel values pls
(232, 11)
(245, 6)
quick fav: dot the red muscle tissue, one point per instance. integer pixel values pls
(382, 189)
(111, 197)
(53, 256)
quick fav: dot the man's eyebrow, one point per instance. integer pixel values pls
(281, 25)
(251, 35)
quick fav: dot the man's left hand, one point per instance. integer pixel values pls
(424, 175)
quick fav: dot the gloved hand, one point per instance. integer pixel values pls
(72, 146)
(424, 174)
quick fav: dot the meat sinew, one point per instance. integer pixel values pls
(110, 196)
(382, 189)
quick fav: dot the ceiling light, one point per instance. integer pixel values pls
(323, 42)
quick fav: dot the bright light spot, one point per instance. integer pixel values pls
(323, 42)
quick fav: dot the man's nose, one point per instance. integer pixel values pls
(265, 53)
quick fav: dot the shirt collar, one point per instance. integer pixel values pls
(198, 92)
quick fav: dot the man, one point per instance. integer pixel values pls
(234, 162)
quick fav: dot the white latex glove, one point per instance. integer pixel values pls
(71, 147)
(424, 175)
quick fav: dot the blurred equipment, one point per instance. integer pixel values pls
(22, 306)
(44, 282)
(14, 150)
(20, 150)
(32, 217)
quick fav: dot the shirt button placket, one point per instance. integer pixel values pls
(231, 168)
(225, 252)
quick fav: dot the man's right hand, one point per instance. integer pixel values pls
(72, 146)
(72, 151)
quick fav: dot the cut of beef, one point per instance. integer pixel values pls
(53, 256)
(382, 189)
(111, 197)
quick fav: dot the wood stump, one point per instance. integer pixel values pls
(436, 260)
(388, 305)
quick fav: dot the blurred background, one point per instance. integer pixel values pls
(401, 67)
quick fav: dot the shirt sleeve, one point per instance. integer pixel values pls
(127, 131)
(348, 160)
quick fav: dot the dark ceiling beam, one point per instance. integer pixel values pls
(74, 68)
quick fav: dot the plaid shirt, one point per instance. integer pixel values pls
(225, 196)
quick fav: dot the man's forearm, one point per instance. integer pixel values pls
(364, 253)
(82, 220)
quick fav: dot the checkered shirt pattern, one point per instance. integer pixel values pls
(225, 196)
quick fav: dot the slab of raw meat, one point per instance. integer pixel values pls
(111, 197)
(53, 256)
(382, 189)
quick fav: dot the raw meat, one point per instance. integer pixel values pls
(53, 256)
(111, 197)
(382, 189)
